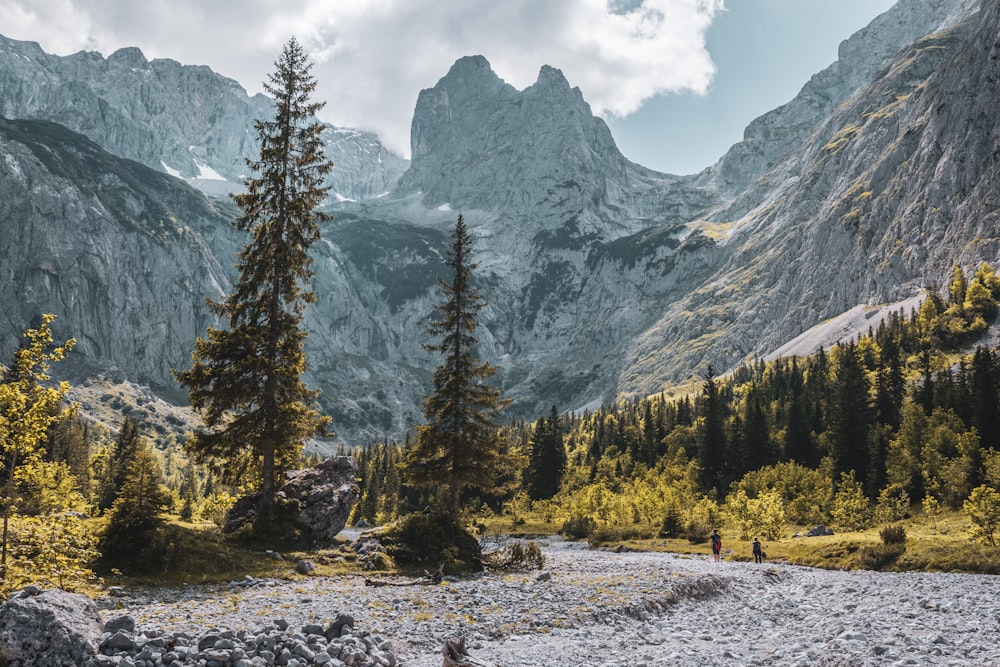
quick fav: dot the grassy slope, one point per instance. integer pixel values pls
(943, 547)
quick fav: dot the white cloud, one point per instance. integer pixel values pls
(373, 56)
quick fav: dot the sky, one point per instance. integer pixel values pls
(676, 80)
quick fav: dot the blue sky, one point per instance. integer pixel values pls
(764, 52)
(677, 80)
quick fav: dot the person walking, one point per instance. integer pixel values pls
(758, 553)
(716, 544)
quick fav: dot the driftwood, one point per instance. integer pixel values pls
(456, 655)
(429, 579)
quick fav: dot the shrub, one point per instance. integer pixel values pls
(579, 527)
(983, 510)
(606, 534)
(673, 523)
(879, 556)
(893, 535)
(434, 538)
(893, 504)
(697, 533)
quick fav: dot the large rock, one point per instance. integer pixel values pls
(321, 499)
(50, 628)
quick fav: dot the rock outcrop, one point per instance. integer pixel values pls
(319, 499)
(48, 628)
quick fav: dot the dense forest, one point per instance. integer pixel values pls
(894, 419)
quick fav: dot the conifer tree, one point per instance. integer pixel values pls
(546, 458)
(121, 454)
(246, 379)
(138, 508)
(712, 434)
(459, 447)
(849, 414)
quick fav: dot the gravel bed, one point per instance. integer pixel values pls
(595, 607)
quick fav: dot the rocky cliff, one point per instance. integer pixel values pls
(602, 278)
(896, 186)
(179, 119)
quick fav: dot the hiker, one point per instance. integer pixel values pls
(716, 543)
(758, 553)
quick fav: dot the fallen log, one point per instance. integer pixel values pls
(429, 579)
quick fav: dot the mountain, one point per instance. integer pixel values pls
(179, 119)
(603, 279)
(891, 190)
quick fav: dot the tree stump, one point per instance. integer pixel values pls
(456, 655)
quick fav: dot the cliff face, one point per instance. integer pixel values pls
(118, 251)
(179, 119)
(884, 197)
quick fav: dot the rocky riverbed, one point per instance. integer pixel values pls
(593, 607)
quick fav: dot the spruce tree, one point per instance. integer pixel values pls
(849, 414)
(246, 379)
(138, 509)
(546, 458)
(459, 447)
(712, 434)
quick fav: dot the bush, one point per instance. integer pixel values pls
(579, 527)
(893, 535)
(433, 538)
(879, 556)
(673, 523)
(698, 533)
(983, 510)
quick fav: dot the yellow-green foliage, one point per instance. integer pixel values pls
(763, 516)
(807, 493)
(983, 509)
(851, 509)
(214, 508)
(842, 137)
(51, 550)
(893, 504)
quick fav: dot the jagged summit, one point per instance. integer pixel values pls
(542, 144)
(184, 120)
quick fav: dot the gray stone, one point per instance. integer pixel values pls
(305, 567)
(322, 498)
(126, 623)
(52, 627)
(121, 640)
(337, 627)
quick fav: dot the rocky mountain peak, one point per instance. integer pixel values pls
(130, 56)
(542, 144)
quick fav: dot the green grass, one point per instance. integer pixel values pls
(188, 553)
(941, 546)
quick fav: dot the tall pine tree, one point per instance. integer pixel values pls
(546, 458)
(246, 379)
(459, 447)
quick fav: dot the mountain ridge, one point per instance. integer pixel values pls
(603, 279)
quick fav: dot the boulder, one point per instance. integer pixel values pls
(320, 498)
(819, 531)
(49, 628)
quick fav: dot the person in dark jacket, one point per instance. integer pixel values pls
(758, 553)
(716, 543)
